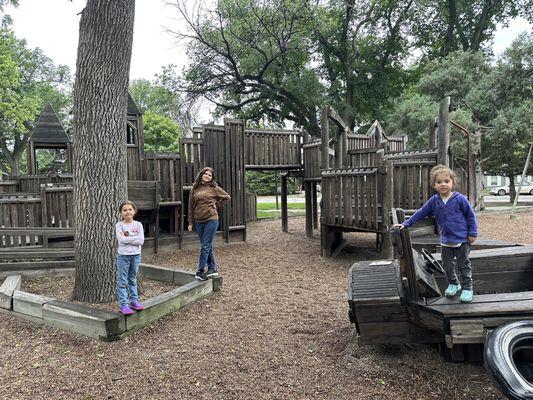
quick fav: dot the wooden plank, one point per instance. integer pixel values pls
(29, 303)
(11, 283)
(79, 318)
(458, 309)
(165, 303)
(25, 265)
(46, 231)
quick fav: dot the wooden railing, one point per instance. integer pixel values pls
(272, 149)
(32, 183)
(412, 185)
(351, 198)
(57, 206)
(359, 158)
(191, 159)
(8, 186)
(166, 169)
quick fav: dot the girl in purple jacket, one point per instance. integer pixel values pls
(458, 230)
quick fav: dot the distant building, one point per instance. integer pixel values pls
(490, 181)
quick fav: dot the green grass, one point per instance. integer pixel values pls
(277, 213)
(272, 206)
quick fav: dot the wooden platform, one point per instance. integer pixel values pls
(399, 301)
(470, 323)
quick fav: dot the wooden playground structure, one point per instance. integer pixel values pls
(362, 176)
(363, 179)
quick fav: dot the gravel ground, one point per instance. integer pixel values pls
(278, 330)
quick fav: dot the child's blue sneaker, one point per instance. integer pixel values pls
(452, 290)
(466, 296)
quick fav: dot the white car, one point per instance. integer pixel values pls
(527, 188)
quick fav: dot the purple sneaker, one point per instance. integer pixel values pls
(137, 306)
(126, 310)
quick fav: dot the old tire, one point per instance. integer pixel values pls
(500, 349)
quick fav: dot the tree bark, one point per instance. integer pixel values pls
(100, 106)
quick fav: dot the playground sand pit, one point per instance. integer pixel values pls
(278, 329)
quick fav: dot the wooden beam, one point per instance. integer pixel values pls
(443, 132)
(11, 283)
(325, 138)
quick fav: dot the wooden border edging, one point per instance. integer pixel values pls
(103, 324)
(11, 283)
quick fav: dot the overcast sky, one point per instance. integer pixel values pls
(53, 26)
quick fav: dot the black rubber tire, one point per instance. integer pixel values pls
(499, 350)
(502, 192)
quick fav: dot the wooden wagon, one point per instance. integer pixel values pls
(400, 301)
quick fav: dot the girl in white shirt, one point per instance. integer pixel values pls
(130, 237)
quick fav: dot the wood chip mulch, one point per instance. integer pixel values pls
(278, 329)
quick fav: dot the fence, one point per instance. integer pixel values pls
(411, 184)
(165, 168)
(192, 159)
(272, 149)
(9, 186)
(52, 207)
(351, 198)
(32, 183)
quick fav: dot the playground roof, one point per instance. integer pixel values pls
(132, 106)
(48, 128)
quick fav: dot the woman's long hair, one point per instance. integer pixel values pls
(198, 180)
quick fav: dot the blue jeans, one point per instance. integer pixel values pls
(206, 232)
(127, 268)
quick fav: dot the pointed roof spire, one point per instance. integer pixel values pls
(48, 128)
(132, 106)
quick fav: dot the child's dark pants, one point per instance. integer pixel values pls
(460, 254)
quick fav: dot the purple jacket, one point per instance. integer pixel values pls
(456, 218)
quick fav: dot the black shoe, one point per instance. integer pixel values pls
(200, 276)
(211, 274)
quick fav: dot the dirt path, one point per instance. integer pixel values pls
(278, 330)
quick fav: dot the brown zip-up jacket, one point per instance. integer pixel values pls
(203, 203)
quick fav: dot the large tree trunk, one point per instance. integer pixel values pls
(100, 106)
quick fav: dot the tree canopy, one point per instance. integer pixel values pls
(285, 59)
(28, 79)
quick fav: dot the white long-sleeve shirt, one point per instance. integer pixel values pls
(130, 238)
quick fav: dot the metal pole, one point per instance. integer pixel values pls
(276, 189)
(512, 216)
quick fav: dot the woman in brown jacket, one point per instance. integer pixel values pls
(205, 199)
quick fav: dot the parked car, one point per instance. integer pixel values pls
(527, 188)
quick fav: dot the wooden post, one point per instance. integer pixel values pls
(387, 250)
(284, 214)
(325, 138)
(315, 205)
(339, 153)
(344, 148)
(443, 130)
(433, 134)
(308, 209)
(378, 133)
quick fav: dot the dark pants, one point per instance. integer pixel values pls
(206, 232)
(460, 254)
